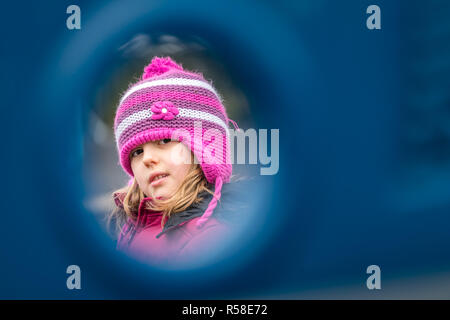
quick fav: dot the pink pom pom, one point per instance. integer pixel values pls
(159, 66)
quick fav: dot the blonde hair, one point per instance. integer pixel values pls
(187, 194)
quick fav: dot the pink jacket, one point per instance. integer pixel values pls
(180, 241)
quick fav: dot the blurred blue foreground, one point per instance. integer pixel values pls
(364, 173)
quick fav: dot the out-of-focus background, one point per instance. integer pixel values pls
(364, 118)
(102, 171)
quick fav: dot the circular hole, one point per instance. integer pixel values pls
(101, 169)
(89, 63)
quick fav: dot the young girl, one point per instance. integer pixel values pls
(169, 212)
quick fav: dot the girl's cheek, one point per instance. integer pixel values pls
(180, 155)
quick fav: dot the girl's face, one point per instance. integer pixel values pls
(160, 166)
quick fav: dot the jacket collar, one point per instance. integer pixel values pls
(175, 220)
(194, 211)
(233, 201)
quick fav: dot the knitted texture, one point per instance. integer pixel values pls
(171, 102)
(212, 205)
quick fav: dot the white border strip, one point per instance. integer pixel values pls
(170, 82)
(185, 113)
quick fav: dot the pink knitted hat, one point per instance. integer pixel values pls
(171, 102)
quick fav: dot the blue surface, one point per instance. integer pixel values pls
(345, 196)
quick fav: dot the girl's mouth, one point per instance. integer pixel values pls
(158, 179)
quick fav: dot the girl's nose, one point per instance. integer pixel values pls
(150, 157)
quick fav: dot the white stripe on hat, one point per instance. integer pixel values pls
(183, 112)
(170, 82)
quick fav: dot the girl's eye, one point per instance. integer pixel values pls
(164, 141)
(135, 152)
